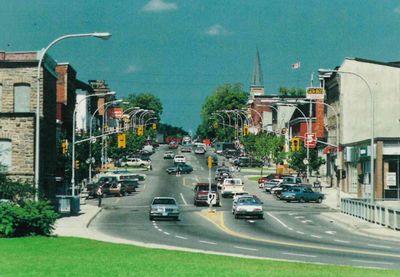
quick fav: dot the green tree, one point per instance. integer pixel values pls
(145, 101)
(225, 97)
(296, 160)
(299, 92)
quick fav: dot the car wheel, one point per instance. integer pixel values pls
(319, 200)
(151, 218)
(302, 200)
(288, 201)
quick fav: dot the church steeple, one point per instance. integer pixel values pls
(257, 82)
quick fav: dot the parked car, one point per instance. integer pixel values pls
(247, 206)
(114, 189)
(199, 150)
(164, 207)
(186, 149)
(302, 194)
(182, 168)
(201, 191)
(169, 155)
(291, 180)
(268, 186)
(247, 162)
(135, 162)
(282, 188)
(179, 159)
(270, 177)
(130, 175)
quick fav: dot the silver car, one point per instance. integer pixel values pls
(164, 207)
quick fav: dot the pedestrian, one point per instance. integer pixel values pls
(178, 171)
(99, 195)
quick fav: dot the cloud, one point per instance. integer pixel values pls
(132, 69)
(397, 10)
(217, 30)
(159, 6)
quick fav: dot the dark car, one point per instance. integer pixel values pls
(93, 187)
(182, 168)
(201, 191)
(302, 194)
(284, 188)
(114, 189)
(248, 162)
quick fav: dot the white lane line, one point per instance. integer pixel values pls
(277, 219)
(298, 232)
(306, 221)
(179, 237)
(318, 237)
(245, 248)
(380, 246)
(342, 241)
(207, 242)
(167, 233)
(298, 217)
(300, 255)
(372, 262)
(330, 232)
(183, 199)
(160, 230)
(291, 229)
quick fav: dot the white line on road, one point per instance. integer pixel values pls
(167, 233)
(179, 237)
(300, 255)
(159, 229)
(342, 241)
(298, 232)
(183, 199)
(306, 221)
(277, 219)
(372, 262)
(245, 248)
(291, 229)
(300, 216)
(330, 232)
(318, 237)
(380, 246)
(207, 242)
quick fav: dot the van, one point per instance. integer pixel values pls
(230, 186)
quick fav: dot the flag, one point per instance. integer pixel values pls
(296, 65)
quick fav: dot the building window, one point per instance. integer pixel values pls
(5, 155)
(22, 98)
(1, 97)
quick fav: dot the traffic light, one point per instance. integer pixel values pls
(76, 164)
(209, 162)
(140, 130)
(154, 126)
(122, 140)
(295, 144)
(64, 146)
(215, 125)
(246, 130)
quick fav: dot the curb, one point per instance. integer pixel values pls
(93, 217)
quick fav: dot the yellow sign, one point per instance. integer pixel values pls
(122, 140)
(215, 125)
(315, 93)
(246, 130)
(209, 162)
(295, 144)
(154, 126)
(140, 130)
(64, 146)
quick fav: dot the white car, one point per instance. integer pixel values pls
(247, 205)
(199, 150)
(135, 162)
(179, 159)
(230, 186)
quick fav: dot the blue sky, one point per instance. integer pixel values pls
(181, 50)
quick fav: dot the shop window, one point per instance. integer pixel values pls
(22, 98)
(1, 97)
(5, 154)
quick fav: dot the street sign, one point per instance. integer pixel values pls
(315, 93)
(122, 140)
(311, 140)
(212, 198)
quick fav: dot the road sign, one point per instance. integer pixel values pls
(212, 198)
(122, 140)
(311, 140)
(315, 93)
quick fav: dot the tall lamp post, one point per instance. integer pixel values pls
(73, 137)
(102, 35)
(372, 133)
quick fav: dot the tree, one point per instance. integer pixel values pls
(145, 101)
(225, 97)
(296, 160)
(284, 91)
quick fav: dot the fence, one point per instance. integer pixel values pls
(389, 217)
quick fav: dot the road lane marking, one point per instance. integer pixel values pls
(183, 199)
(342, 241)
(291, 229)
(298, 232)
(218, 221)
(380, 246)
(318, 237)
(167, 233)
(306, 221)
(372, 262)
(161, 230)
(277, 219)
(330, 232)
(179, 237)
(207, 242)
(299, 255)
(298, 217)
(245, 248)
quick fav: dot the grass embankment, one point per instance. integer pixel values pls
(42, 256)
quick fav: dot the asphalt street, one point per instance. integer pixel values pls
(289, 231)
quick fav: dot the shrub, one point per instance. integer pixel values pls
(28, 219)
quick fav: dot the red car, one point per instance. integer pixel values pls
(270, 177)
(173, 145)
(201, 193)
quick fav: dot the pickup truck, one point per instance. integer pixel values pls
(230, 186)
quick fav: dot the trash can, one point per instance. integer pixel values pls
(63, 203)
(75, 204)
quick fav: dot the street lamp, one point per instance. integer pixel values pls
(73, 136)
(101, 35)
(372, 154)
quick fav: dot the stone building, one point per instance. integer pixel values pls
(18, 86)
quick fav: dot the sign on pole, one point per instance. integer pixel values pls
(122, 140)
(311, 140)
(315, 93)
(212, 198)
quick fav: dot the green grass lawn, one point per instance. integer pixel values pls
(42, 256)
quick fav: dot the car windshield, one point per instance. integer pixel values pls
(164, 201)
(205, 188)
(248, 200)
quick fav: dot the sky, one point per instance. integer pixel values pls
(182, 50)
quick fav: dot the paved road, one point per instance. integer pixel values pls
(290, 231)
